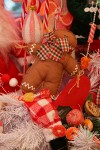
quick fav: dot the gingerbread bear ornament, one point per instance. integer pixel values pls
(51, 59)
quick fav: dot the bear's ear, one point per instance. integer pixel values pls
(71, 37)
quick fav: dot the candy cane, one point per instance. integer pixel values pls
(92, 32)
(24, 5)
(46, 14)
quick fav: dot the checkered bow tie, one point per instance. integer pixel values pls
(54, 47)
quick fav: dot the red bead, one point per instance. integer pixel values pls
(59, 130)
(5, 78)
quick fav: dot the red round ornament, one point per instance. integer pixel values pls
(5, 78)
(75, 117)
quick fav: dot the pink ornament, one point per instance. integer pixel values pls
(28, 3)
(75, 117)
(32, 30)
(26, 6)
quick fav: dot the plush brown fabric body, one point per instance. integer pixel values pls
(48, 73)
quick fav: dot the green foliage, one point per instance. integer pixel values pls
(90, 97)
(63, 111)
(96, 124)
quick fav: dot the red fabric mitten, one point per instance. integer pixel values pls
(75, 93)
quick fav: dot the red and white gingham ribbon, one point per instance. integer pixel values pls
(43, 112)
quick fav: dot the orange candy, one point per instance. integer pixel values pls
(85, 62)
(67, 21)
(52, 8)
(59, 130)
(71, 132)
(88, 123)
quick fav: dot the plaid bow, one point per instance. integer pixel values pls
(54, 47)
(98, 97)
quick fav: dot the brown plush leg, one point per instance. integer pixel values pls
(47, 73)
(33, 78)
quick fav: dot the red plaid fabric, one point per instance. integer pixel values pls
(54, 47)
(43, 112)
(98, 97)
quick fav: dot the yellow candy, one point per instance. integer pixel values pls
(28, 97)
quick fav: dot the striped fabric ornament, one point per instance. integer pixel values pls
(27, 3)
(32, 31)
(98, 97)
(54, 48)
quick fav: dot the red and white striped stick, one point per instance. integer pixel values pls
(24, 6)
(92, 32)
(46, 14)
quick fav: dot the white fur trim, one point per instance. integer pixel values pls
(28, 59)
(48, 132)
